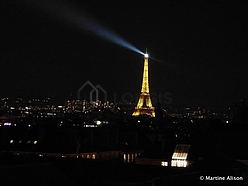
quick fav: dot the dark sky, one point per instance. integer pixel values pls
(202, 50)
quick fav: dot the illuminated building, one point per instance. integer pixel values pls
(179, 157)
(144, 106)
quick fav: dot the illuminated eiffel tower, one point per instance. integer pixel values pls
(144, 106)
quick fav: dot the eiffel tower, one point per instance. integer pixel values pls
(144, 106)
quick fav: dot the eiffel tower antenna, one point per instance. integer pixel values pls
(144, 106)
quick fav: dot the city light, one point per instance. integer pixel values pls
(7, 124)
(178, 163)
(164, 163)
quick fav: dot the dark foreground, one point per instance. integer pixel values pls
(30, 170)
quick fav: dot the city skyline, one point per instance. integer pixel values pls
(200, 50)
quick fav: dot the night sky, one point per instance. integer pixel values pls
(202, 49)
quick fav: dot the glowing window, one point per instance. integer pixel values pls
(178, 163)
(181, 152)
(173, 163)
(93, 156)
(164, 163)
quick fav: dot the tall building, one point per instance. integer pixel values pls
(144, 106)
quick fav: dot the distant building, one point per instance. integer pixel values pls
(177, 158)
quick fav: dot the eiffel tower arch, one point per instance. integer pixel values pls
(144, 106)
